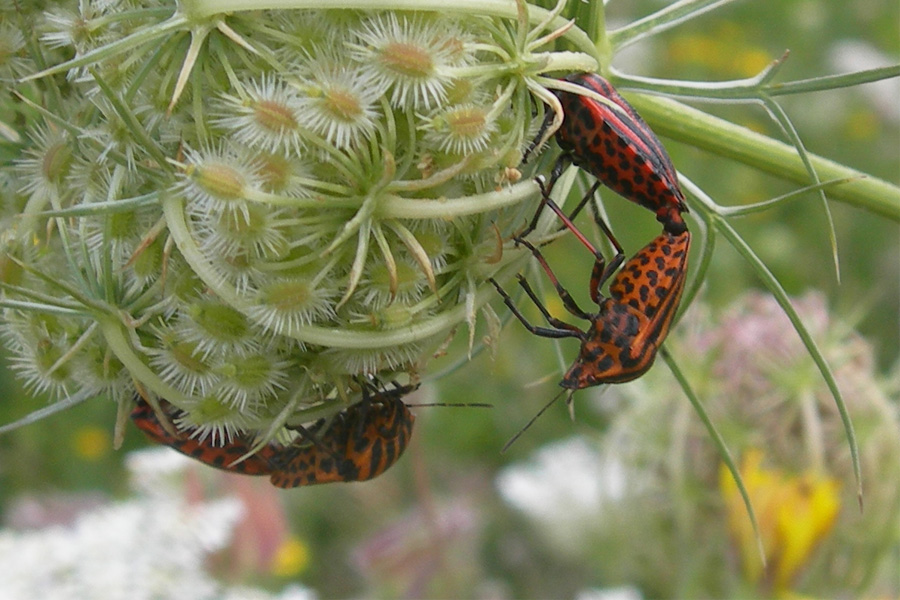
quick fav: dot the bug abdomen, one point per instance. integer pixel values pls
(618, 148)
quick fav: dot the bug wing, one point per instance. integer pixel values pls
(384, 440)
(652, 282)
(635, 320)
(616, 146)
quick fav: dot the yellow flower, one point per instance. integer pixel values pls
(291, 558)
(724, 51)
(795, 512)
(805, 515)
(91, 443)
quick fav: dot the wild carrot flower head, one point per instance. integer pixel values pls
(413, 57)
(247, 213)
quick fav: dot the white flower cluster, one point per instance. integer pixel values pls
(152, 547)
(571, 474)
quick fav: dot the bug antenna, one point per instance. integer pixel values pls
(533, 419)
(454, 404)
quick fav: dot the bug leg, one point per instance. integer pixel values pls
(568, 224)
(602, 271)
(556, 172)
(558, 323)
(585, 200)
(313, 438)
(564, 329)
(564, 294)
(548, 118)
(390, 400)
(546, 187)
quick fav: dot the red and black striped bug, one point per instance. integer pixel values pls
(358, 444)
(624, 335)
(221, 457)
(615, 145)
(361, 442)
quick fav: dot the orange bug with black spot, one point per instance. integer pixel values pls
(624, 335)
(614, 144)
(358, 444)
(362, 442)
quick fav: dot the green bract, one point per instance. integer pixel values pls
(243, 212)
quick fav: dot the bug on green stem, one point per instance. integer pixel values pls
(615, 145)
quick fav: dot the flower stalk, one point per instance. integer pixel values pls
(723, 138)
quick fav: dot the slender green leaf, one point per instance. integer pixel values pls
(787, 126)
(831, 82)
(719, 443)
(47, 411)
(660, 21)
(784, 301)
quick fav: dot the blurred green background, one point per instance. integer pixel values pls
(395, 536)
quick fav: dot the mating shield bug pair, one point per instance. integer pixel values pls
(360, 443)
(602, 134)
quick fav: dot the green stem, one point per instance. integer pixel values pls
(114, 334)
(415, 208)
(492, 8)
(697, 128)
(666, 18)
(830, 82)
(596, 28)
(720, 444)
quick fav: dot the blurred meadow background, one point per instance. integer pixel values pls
(627, 501)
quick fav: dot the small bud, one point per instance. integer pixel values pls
(219, 180)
